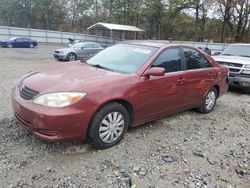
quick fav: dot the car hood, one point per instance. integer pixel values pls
(232, 59)
(74, 76)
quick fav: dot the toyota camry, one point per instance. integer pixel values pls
(122, 86)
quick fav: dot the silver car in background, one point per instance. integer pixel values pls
(237, 58)
(81, 50)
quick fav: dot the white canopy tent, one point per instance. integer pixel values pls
(114, 27)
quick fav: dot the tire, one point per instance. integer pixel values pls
(104, 134)
(209, 101)
(71, 57)
(246, 90)
(10, 46)
(31, 46)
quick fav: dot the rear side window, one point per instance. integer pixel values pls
(207, 64)
(170, 60)
(88, 45)
(194, 59)
(96, 45)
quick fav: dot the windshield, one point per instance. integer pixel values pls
(123, 58)
(237, 50)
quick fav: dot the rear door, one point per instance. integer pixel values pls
(162, 95)
(200, 77)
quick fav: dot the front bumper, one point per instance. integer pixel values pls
(239, 80)
(51, 124)
(60, 56)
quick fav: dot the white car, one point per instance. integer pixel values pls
(237, 58)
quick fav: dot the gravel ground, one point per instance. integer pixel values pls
(185, 150)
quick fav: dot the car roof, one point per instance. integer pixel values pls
(240, 44)
(156, 44)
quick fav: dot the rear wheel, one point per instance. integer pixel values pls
(209, 101)
(10, 46)
(71, 57)
(108, 126)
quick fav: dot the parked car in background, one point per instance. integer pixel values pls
(205, 49)
(80, 50)
(19, 43)
(237, 58)
(122, 86)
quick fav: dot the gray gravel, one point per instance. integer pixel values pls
(185, 150)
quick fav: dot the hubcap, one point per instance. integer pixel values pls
(111, 127)
(210, 100)
(71, 57)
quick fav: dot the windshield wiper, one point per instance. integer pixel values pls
(101, 67)
(228, 54)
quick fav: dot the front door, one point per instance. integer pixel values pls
(162, 95)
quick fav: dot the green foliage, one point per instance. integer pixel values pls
(161, 19)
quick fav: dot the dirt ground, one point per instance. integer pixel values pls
(185, 150)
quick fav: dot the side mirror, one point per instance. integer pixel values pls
(155, 71)
(217, 53)
(82, 48)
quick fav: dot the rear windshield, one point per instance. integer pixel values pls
(124, 58)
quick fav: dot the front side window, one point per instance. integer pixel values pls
(170, 60)
(194, 59)
(19, 40)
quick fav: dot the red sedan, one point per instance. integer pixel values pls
(122, 86)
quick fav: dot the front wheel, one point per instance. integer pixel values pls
(9, 46)
(209, 101)
(71, 57)
(31, 46)
(108, 126)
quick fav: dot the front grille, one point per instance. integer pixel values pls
(27, 93)
(22, 121)
(245, 75)
(233, 67)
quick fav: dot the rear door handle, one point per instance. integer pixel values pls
(180, 80)
(211, 74)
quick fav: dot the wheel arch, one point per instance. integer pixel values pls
(129, 107)
(217, 87)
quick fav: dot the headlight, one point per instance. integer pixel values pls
(247, 71)
(63, 52)
(61, 99)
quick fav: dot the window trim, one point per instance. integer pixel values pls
(181, 56)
